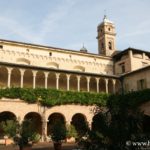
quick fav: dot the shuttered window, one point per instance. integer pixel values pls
(141, 84)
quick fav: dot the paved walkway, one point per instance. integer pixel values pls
(40, 146)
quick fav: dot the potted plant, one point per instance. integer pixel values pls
(58, 133)
(23, 134)
(9, 128)
(71, 133)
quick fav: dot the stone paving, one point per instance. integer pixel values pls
(41, 146)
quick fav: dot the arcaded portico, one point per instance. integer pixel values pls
(43, 117)
(35, 78)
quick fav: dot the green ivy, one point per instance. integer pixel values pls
(52, 97)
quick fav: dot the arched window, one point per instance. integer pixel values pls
(110, 45)
(23, 61)
(79, 68)
(53, 65)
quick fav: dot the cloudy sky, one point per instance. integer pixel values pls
(69, 23)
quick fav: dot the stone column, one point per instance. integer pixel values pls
(46, 77)
(97, 84)
(44, 124)
(114, 86)
(68, 82)
(88, 84)
(44, 130)
(78, 83)
(57, 80)
(90, 124)
(106, 84)
(34, 79)
(22, 74)
(9, 77)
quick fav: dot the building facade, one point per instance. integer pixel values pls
(28, 65)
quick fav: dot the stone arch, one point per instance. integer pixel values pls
(53, 118)
(79, 68)
(73, 82)
(79, 121)
(110, 45)
(62, 81)
(36, 121)
(97, 122)
(83, 83)
(15, 77)
(53, 65)
(28, 79)
(110, 86)
(40, 79)
(102, 85)
(51, 81)
(93, 84)
(4, 116)
(23, 61)
(3, 77)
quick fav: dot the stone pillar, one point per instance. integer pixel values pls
(9, 77)
(22, 74)
(106, 84)
(88, 84)
(90, 124)
(44, 130)
(46, 77)
(97, 84)
(78, 83)
(68, 82)
(57, 80)
(114, 86)
(34, 79)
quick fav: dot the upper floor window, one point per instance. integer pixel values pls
(141, 84)
(1, 46)
(122, 65)
(50, 53)
(110, 45)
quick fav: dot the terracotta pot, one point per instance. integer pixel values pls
(57, 146)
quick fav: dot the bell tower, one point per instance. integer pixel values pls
(106, 37)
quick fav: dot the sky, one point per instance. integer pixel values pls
(70, 23)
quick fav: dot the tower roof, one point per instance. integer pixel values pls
(106, 20)
(83, 49)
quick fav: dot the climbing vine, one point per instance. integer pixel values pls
(52, 97)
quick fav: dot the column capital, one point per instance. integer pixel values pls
(68, 76)
(22, 71)
(88, 78)
(97, 80)
(57, 75)
(78, 77)
(46, 74)
(114, 81)
(106, 80)
(34, 72)
(9, 70)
